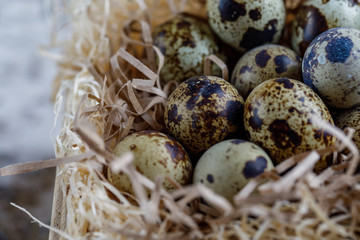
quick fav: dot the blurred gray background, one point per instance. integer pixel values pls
(26, 116)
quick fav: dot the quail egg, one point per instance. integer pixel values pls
(350, 118)
(245, 24)
(331, 67)
(316, 16)
(227, 166)
(203, 111)
(263, 63)
(155, 154)
(278, 117)
(185, 41)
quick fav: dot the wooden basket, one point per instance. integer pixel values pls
(298, 205)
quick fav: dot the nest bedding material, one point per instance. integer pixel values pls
(108, 87)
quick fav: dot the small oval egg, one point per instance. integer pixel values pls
(185, 41)
(316, 16)
(350, 118)
(263, 63)
(155, 154)
(278, 117)
(203, 111)
(227, 166)
(245, 24)
(331, 67)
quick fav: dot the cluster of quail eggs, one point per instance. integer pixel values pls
(223, 133)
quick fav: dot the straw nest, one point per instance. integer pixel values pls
(108, 87)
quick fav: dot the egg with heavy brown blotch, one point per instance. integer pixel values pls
(263, 63)
(229, 165)
(203, 111)
(185, 41)
(350, 118)
(331, 67)
(278, 116)
(316, 16)
(245, 24)
(155, 154)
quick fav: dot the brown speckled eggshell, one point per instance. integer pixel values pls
(278, 117)
(316, 16)
(263, 63)
(185, 41)
(350, 118)
(203, 111)
(245, 24)
(155, 154)
(229, 165)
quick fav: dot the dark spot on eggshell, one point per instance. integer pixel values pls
(323, 136)
(201, 87)
(183, 24)
(312, 22)
(293, 109)
(255, 121)
(255, 37)
(173, 115)
(188, 42)
(231, 10)
(233, 112)
(281, 62)
(339, 49)
(329, 160)
(161, 162)
(282, 134)
(262, 58)
(254, 168)
(137, 169)
(317, 135)
(176, 152)
(210, 178)
(285, 82)
(245, 69)
(255, 14)
(237, 141)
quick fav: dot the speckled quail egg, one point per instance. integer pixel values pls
(227, 166)
(316, 16)
(203, 111)
(263, 63)
(331, 67)
(155, 153)
(350, 118)
(245, 24)
(278, 117)
(185, 41)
